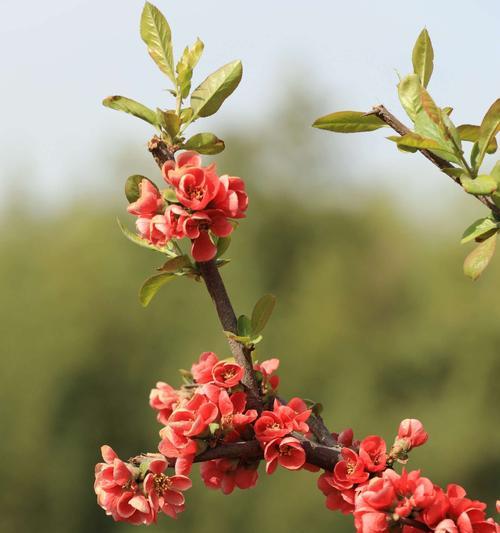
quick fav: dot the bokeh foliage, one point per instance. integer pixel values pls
(374, 320)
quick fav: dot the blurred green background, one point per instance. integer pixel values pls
(374, 319)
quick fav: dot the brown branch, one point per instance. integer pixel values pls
(381, 112)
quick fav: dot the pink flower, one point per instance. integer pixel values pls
(118, 492)
(155, 230)
(412, 431)
(195, 186)
(349, 471)
(202, 370)
(164, 399)
(165, 492)
(372, 451)
(267, 368)
(232, 411)
(227, 375)
(287, 452)
(372, 523)
(149, 202)
(446, 526)
(226, 474)
(231, 198)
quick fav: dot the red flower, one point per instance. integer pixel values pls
(202, 370)
(227, 375)
(372, 451)
(195, 186)
(232, 411)
(287, 452)
(342, 501)
(270, 426)
(149, 202)
(164, 399)
(155, 230)
(349, 471)
(231, 198)
(412, 431)
(226, 474)
(165, 492)
(372, 523)
(446, 526)
(267, 368)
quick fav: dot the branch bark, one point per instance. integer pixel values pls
(381, 112)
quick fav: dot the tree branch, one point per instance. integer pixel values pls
(381, 112)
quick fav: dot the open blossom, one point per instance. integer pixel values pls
(231, 198)
(227, 474)
(154, 229)
(118, 493)
(195, 186)
(164, 399)
(149, 202)
(227, 375)
(202, 370)
(165, 492)
(336, 500)
(287, 452)
(270, 380)
(233, 415)
(349, 471)
(372, 451)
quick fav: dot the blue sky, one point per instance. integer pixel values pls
(61, 57)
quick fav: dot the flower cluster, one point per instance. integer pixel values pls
(203, 204)
(137, 493)
(211, 410)
(364, 484)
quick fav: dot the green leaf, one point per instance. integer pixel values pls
(478, 228)
(349, 122)
(453, 172)
(152, 285)
(132, 187)
(448, 110)
(477, 261)
(482, 185)
(205, 143)
(207, 98)
(244, 326)
(262, 312)
(490, 126)
(185, 66)
(121, 103)
(409, 95)
(222, 245)
(495, 172)
(169, 195)
(175, 264)
(429, 129)
(155, 32)
(423, 57)
(470, 133)
(145, 244)
(413, 140)
(170, 122)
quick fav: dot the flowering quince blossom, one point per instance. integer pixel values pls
(205, 203)
(227, 474)
(210, 409)
(287, 452)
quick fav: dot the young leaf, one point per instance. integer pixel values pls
(205, 143)
(207, 98)
(429, 129)
(244, 326)
(143, 243)
(169, 121)
(409, 95)
(262, 312)
(222, 245)
(423, 57)
(413, 140)
(482, 185)
(152, 285)
(185, 66)
(175, 264)
(349, 122)
(490, 126)
(121, 103)
(468, 132)
(476, 262)
(478, 228)
(155, 32)
(132, 187)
